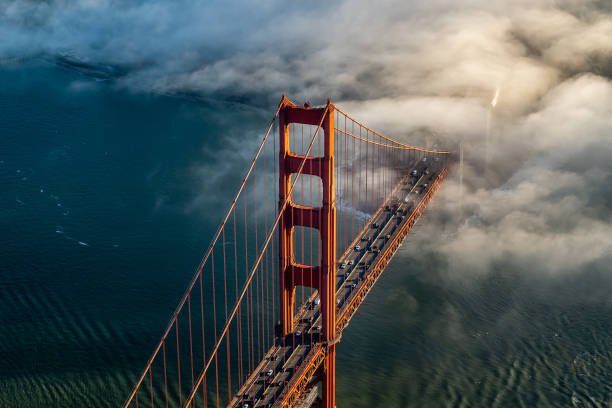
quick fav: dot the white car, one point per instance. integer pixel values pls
(357, 247)
(269, 373)
(342, 265)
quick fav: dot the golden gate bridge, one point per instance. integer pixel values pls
(323, 207)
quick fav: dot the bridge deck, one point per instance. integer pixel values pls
(288, 367)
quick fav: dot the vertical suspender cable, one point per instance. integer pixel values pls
(165, 372)
(190, 337)
(227, 340)
(204, 394)
(212, 263)
(178, 362)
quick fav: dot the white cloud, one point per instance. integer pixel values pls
(407, 68)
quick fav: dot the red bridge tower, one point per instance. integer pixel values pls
(323, 277)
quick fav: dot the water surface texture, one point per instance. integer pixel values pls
(102, 229)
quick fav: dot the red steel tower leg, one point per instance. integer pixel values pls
(323, 277)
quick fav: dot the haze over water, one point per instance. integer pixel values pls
(98, 246)
(126, 127)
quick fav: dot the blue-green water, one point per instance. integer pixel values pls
(101, 230)
(98, 241)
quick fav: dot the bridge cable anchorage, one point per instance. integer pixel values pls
(372, 191)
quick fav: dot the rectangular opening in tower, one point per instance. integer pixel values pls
(308, 190)
(306, 246)
(300, 137)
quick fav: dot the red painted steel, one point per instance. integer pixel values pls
(292, 275)
(365, 176)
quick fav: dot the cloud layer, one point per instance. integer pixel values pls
(408, 68)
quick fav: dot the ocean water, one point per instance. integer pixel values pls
(99, 235)
(101, 229)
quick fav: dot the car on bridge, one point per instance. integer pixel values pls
(302, 346)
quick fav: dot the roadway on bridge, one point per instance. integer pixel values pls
(283, 362)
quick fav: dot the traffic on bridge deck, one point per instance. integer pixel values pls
(240, 336)
(283, 365)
